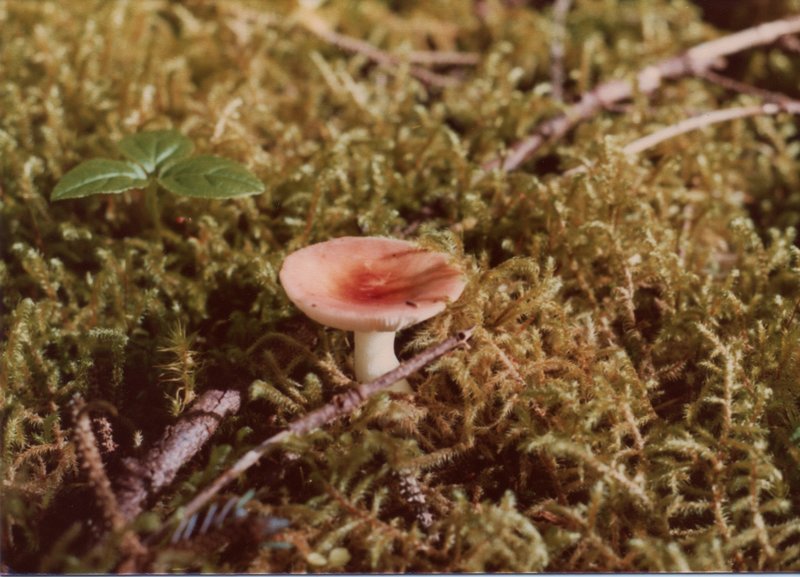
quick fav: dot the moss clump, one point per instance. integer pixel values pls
(630, 395)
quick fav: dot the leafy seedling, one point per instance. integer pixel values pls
(159, 158)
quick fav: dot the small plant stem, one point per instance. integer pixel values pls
(743, 88)
(153, 208)
(92, 463)
(560, 11)
(86, 444)
(340, 405)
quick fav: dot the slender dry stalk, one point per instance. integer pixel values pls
(322, 30)
(560, 11)
(707, 119)
(92, 463)
(791, 43)
(131, 547)
(744, 88)
(442, 58)
(693, 62)
(701, 121)
(242, 20)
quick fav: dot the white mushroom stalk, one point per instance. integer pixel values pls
(373, 287)
(374, 357)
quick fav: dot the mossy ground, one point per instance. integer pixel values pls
(629, 396)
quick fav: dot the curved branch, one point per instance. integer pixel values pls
(317, 26)
(694, 61)
(707, 119)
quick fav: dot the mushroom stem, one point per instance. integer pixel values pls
(374, 357)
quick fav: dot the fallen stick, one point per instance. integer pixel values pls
(339, 406)
(317, 26)
(694, 61)
(441, 58)
(700, 121)
(743, 88)
(560, 11)
(307, 18)
(179, 443)
(707, 119)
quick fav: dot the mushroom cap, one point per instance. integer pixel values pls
(368, 284)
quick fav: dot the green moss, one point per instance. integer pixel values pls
(629, 396)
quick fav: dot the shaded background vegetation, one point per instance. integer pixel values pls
(630, 393)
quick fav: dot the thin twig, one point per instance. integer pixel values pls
(743, 88)
(179, 443)
(322, 30)
(791, 43)
(340, 406)
(244, 20)
(694, 61)
(707, 119)
(441, 58)
(560, 11)
(701, 121)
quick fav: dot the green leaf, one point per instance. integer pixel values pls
(155, 148)
(210, 177)
(99, 176)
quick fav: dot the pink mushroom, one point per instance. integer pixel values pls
(374, 287)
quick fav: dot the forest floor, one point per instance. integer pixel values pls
(619, 181)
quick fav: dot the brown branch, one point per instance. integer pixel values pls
(707, 119)
(322, 30)
(340, 406)
(734, 85)
(701, 121)
(179, 443)
(560, 11)
(694, 61)
(442, 58)
(243, 20)
(791, 43)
